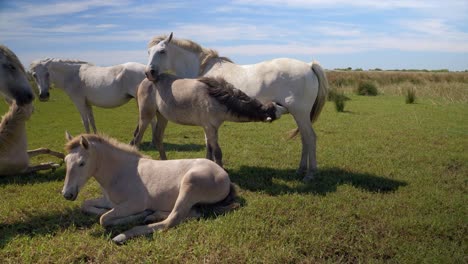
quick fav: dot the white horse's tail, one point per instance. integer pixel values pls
(321, 95)
(322, 91)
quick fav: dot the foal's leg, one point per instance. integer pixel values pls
(42, 166)
(97, 206)
(91, 118)
(158, 135)
(211, 135)
(182, 208)
(123, 213)
(40, 151)
(161, 215)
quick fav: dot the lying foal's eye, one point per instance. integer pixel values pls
(81, 164)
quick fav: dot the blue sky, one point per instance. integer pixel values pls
(397, 34)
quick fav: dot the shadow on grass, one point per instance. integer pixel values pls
(276, 182)
(45, 224)
(32, 178)
(146, 146)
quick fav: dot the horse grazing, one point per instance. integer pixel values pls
(14, 83)
(14, 156)
(300, 87)
(88, 85)
(205, 102)
(136, 186)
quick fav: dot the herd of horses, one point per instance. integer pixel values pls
(202, 89)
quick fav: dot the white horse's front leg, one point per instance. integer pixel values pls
(80, 103)
(91, 118)
(123, 213)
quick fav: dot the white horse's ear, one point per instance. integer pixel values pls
(168, 39)
(68, 137)
(84, 142)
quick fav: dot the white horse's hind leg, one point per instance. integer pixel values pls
(91, 118)
(308, 161)
(211, 135)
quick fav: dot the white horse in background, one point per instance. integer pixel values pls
(88, 85)
(135, 186)
(300, 87)
(14, 83)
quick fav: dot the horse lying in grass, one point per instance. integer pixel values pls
(88, 85)
(136, 186)
(205, 102)
(14, 156)
(14, 83)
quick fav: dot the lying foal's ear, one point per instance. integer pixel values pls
(68, 137)
(84, 142)
(168, 39)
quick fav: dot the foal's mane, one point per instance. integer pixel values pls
(103, 139)
(11, 57)
(204, 54)
(236, 101)
(9, 125)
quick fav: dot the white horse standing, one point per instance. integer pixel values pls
(300, 87)
(14, 84)
(88, 85)
(136, 186)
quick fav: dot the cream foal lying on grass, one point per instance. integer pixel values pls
(135, 186)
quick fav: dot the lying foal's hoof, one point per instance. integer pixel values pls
(119, 239)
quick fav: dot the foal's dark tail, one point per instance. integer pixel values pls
(227, 204)
(238, 103)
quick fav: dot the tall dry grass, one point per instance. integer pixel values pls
(451, 86)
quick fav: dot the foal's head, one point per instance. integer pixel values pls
(41, 76)
(80, 163)
(13, 80)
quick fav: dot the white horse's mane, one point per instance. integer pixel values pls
(204, 54)
(48, 60)
(11, 57)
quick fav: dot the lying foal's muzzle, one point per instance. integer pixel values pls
(70, 195)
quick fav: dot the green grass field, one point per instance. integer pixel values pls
(392, 187)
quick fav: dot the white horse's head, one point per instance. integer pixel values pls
(159, 57)
(80, 164)
(14, 84)
(41, 75)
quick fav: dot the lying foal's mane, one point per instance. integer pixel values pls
(9, 126)
(204, 54)
(237, 102)
(103, 139)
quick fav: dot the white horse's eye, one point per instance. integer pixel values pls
(162, 52)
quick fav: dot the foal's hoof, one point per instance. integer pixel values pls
(309, 177)
(119, 239)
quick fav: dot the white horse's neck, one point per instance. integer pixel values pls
(111, 163)
(61, 73)
(184, 63)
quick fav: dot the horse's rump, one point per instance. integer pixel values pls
(227, 204)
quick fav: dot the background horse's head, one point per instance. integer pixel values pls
(80, 163)
(159, 57)
(41, 75)
(14, 83)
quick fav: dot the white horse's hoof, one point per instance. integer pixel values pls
(301, 171)
(119, 239)
(308, 178)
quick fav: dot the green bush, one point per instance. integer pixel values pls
(367, 88)
(410, 95)
(340, 100)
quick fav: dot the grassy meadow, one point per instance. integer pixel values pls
(391, 187)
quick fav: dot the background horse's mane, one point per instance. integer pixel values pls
(9, 125)
(100, 138)
(47, 60)
(11, 56)
(205, 54)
